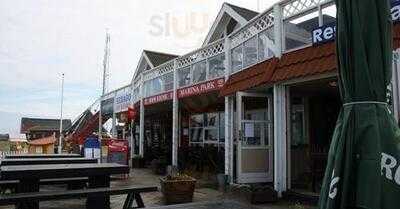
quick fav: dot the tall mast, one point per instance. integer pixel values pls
(105, 74)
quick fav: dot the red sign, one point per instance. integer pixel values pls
(201, 88)
(159, 98)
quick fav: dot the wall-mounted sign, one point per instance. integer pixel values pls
(327, 33)
(201, 88)
(123, 99)
(158, 98)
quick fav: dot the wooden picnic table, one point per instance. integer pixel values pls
(43, 156)
(37, 161)
(29, 177)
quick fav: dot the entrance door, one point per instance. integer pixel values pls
(255, 138)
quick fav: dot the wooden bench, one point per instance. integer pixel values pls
(72, 183)
(133, 195)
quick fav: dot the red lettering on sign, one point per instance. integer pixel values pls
(158, 98)
(201, 88)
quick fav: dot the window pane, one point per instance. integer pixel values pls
(222, 127)
(211, 135)
(237, 58)
(216, 66)
(211, 120)
(196, 135)
(196, 120)
(265, 42)
(157, 86)
(199, 72)
(147, 88)
(298, 30)
(184, 77)
(168, 80)
(329, 14)
(250, 52)
(257, 133)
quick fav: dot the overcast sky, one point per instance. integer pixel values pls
(40, 40)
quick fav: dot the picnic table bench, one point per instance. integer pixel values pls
(98, 175)
(134, 194)
(72, 183)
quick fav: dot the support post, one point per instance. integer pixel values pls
(141, 119)
(175, 120)
(227, 114)
(280, 140)
(278, 30)
(114, 124)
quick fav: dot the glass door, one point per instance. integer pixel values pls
(255, 163)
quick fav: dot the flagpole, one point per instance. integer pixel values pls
(61, 115)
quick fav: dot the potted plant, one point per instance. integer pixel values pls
(178, 188)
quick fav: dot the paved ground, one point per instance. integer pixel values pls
(203, 197)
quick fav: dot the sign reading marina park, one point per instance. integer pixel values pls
(158, 98)
(201, 88)
(327, 33)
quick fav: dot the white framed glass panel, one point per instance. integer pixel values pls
(147, 88)
(216, 65)
(196, 135)
(237, 58)
(168, 80)
(265, 43)
(250, 52)
(221, 127)
(184, 76)
(298, 30)
(197, 120)
(211, 120)
(199, 71)
(211, 135)
(157, 86)
(329, 14)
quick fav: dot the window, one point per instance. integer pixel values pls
(298, 31)
(147, 88)
(265, 42)
(216, 65)
(168, 81)
(184, 77)
(157, 85)
(206, 128)
(237, 58)
(199, 71)
(222, 127)
(250, 52)
(329, 14)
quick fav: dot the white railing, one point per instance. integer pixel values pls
(255, 26)
(159, 70)
(298, 7)
(208, 51)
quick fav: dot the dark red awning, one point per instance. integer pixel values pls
(249, 78)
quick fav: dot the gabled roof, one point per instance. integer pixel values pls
(42, 124)
(228, 12)
(4, 137)
(43, 141)
(246, 13)
(159, 58)
(151, 59)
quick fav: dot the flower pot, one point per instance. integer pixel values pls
(177, 191)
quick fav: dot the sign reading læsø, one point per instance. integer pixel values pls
(327, 33)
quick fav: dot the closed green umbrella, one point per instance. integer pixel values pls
(364, 157)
